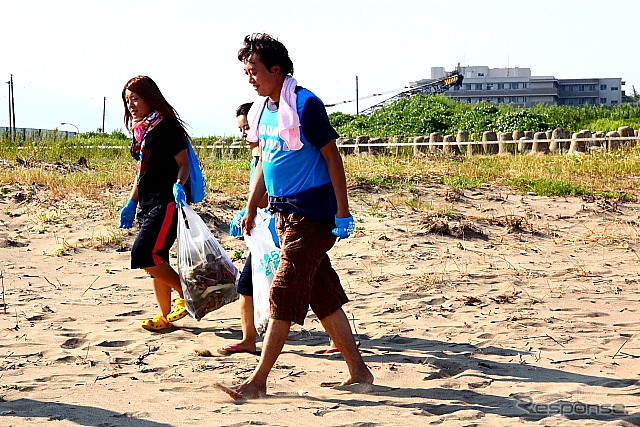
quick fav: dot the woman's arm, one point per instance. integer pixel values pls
(134, 191)
(182, 158)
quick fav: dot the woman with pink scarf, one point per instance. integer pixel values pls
(159, 146)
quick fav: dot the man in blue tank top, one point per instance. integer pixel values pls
(302, 172)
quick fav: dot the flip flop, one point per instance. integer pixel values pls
(233, 349)
(330, 350)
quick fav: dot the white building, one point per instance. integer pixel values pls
(517, 86)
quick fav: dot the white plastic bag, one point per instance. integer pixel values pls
(207, 275)
(265, 259)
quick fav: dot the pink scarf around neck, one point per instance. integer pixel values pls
(141, 127)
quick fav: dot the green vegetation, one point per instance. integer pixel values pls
(546, 187)
(424, 114)
(462, 182)
(549, 187)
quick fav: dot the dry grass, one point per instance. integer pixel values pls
(601, 172)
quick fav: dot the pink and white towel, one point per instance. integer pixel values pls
(288, 120)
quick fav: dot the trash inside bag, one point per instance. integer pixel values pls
(207, 275)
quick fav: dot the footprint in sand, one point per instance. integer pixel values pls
(364, 388)
(445, 368)
(486, 336)
(627, 324)
(594, 314)
(66, 359)
(72, 343)
(113, 344)
(120, 316)
(130, 313)
(410, 296)
(74, 340)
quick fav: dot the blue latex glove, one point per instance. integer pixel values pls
(344, 227)
(128, 214)
(235, 227)
(179, 195)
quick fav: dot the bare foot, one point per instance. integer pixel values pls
(365, 378)
(238, 348)
(356, 387)
(244, 391)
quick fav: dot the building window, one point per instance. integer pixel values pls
(469, 100)
(569, 88)
(500, 86)
(478, 86)
(456, 88)
(603, 100)
(524, 99)
(592, 88)
(603, 87)
(614, 102)
(500, 100)
(614, 87)
(467, 87)
(489, 86)
(525, 85)
(580, 88)
(513, 85)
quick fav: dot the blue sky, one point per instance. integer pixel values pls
(66, 55)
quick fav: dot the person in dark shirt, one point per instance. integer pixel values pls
(159, 146)
(245, 282)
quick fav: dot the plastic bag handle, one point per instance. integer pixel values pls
(184, 216)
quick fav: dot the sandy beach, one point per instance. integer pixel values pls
(494, 308)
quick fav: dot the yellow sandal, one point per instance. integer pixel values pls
(158, 323)
(179, 311)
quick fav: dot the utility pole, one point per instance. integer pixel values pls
(357, 105)
(13, 107)
(10, 128)
(104, 107)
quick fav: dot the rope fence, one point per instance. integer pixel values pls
(558, 141)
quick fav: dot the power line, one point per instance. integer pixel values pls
(365, 97)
